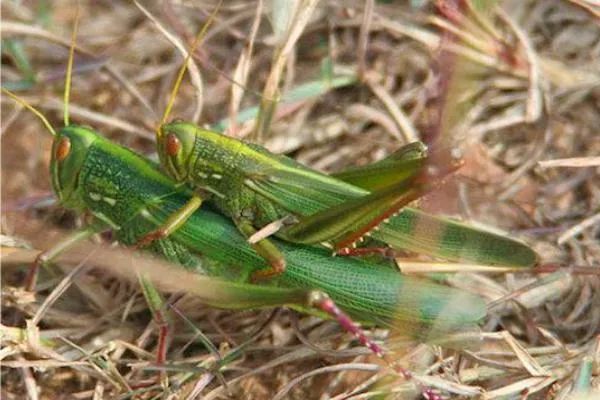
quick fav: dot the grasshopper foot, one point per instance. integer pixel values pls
(277, 268)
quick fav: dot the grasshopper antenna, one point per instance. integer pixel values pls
(67, 92)
(31, 108)
(183, 68)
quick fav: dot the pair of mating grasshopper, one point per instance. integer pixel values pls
(257, 191)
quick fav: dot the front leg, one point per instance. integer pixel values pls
(265, 248)
(63, 245)
(173, 223)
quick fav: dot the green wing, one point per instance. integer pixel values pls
(332, 210)
(401, 165)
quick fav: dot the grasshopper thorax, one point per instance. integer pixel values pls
(69, 151)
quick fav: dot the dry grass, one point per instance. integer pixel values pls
(517, 87)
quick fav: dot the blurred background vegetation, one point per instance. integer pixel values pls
(514, 84)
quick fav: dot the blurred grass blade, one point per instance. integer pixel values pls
(14, 49)
(303, 92)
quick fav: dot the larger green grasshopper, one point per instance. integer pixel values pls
(126, 193)
(265, 193)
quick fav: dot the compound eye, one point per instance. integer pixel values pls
(63, 149)
(173, 145)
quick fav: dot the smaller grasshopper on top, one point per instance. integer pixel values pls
(266, 194)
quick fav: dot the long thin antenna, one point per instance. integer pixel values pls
(183, 68)
(28, 106)
(67, 93)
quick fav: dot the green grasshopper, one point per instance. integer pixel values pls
(265, 193)
(126, 193)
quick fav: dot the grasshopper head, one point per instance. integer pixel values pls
(175, 148)
(69, 150)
